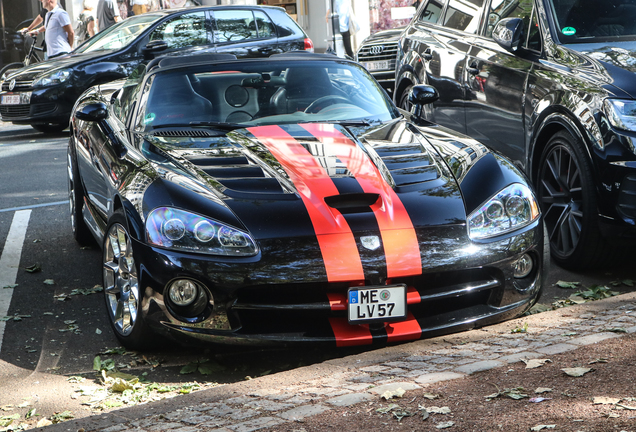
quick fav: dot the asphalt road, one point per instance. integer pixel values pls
(57, 324)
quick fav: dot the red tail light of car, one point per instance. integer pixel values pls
(309, 45)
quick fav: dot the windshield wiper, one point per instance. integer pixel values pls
(342, 122)
(219, 125)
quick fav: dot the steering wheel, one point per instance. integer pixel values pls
(323, 102)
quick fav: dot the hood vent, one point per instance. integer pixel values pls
(352, 202)
(183, 133)
(407, 163)
(235, 173)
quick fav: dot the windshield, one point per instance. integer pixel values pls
(257, 93)
(118, 35)
(580, 21)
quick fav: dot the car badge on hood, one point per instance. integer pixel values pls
(370, 242)
(11, 85)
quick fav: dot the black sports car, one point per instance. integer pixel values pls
(288, 200)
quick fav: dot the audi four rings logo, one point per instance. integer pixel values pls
(376, 49)
(11, 85)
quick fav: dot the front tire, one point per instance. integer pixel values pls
(49, 127)
(404, 99)
(81, 233)
(122, 291)
(567, 196)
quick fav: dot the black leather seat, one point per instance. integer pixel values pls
(173, 100)
(302, 87)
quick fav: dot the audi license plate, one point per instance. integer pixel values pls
(380, 303)
(376, 65)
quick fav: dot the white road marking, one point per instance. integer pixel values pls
(33, 206)
(10, 262)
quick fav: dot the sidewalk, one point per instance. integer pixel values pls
(281, 400)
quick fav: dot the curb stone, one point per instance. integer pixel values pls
(293, 395)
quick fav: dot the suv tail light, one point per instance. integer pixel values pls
(309, 45)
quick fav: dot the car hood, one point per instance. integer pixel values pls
(324, 178)
(614, 64)
(68, 61)
(385, 35)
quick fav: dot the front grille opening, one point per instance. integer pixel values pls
(304, 309)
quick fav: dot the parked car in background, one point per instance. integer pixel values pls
(377, 54)
(238, 201)
(43, 94)
(552, 85)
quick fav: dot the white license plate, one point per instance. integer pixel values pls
(376, 65)
(13, 99)
(23, 98)
(373, 304)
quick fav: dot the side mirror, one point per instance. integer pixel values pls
(507, 33)
(153, 47)
(93, 112)
(421, 95)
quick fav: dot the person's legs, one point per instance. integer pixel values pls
(139, 9)
(346, 41)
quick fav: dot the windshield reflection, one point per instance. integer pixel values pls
(118, 35)
(245, 94)
(581, 21)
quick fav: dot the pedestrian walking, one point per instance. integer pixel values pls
(58, 30)
(85, 28)
(346, 22)
(107, 14)
(37, 21)
(139, 6)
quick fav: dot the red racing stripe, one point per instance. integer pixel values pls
(398, 235)
(404, 330)
(348, 335)
(337, 244)
(413, 296)
(337, 301)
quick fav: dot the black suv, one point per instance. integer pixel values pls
(377, 55)
(552, 85)
(43, 94)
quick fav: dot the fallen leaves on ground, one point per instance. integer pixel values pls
(390, 394)
(577, 371)
(535, 363)
(513, 393)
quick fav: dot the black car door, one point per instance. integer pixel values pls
(184, 31)
(443, 48)
(244, 33)
(496, 81)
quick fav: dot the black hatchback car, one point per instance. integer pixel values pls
(43, 94)
(552, 85)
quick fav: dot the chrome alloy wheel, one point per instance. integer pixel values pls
(71, 192)
(121, 284)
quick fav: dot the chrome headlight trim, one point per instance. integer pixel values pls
(181, 230)
(513, 208)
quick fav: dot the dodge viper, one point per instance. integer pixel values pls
(287, 199)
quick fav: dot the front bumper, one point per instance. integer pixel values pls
(283, 297)
(38, 106)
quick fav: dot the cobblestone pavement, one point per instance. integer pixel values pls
(293, 395)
